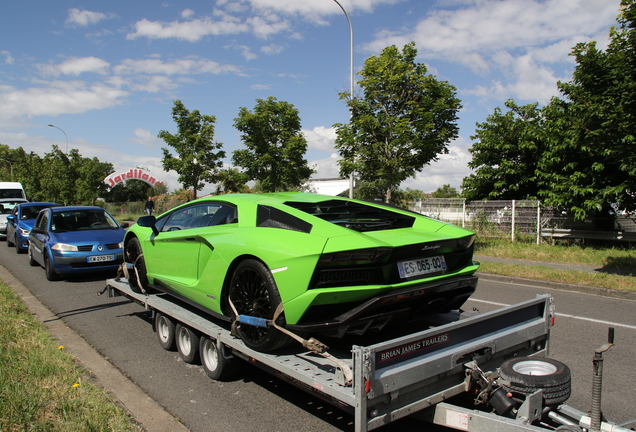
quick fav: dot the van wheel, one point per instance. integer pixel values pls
(187, 344)
(215, 363)
(526, 375)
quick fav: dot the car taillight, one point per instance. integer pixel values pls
(354, 257)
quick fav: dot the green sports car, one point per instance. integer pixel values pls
(339, 266)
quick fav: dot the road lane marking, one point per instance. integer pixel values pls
(613, 324)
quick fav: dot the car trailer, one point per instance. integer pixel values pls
(472, 372)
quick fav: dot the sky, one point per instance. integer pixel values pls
(106, 74)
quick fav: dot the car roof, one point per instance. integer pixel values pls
(75, 208)
(30, 204)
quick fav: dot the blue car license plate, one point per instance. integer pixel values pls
(421, 266)
(100, 258)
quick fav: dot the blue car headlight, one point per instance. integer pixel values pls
(25, 232)
(63, 247)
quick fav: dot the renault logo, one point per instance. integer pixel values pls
(100, 248)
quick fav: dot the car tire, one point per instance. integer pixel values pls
(187, 344)
(526, 375)
(132, 255)
(165, 328)
(253, 292)
(32, 262)
(215, 364)
(18, 250)
(49, 270)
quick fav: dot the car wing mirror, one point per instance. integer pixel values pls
(11, 218)
(148, 222)
(124, 225)
(37, 230)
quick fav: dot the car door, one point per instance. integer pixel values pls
(39, 236)
(173, 256)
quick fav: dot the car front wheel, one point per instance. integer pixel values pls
(134, 254)
(49, 270)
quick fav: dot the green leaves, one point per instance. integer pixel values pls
(197, 160)
(403, 120)
(275, 151)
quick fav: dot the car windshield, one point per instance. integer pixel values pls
(82, 220)
(7, 206)
(355, 216)
(31, 212)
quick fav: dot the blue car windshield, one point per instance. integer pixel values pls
(82, 220)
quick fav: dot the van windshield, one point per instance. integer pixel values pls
(11, 193)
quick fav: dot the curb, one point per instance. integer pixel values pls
(151, 416)
(584, 289)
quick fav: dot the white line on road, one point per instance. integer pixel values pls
(613, 324)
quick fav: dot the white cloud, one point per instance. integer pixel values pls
(327, 167)
(57, 97)
(191, 31)
(187, 13)
(180, 67)
(320, 138)
(145, 138)
(271, 49)
(261, 86)
(74, 66)
(7, 57)
(83, 18)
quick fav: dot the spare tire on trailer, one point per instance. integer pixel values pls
(526, 375)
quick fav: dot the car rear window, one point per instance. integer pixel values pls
(353, 215)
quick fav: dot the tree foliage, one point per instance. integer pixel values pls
(579, 151)
(506, 153)
(402, 122)
(276, 147)
(197, 159)
(231, 180)
(57, 177)
(446, 191)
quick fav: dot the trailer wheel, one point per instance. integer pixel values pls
(165, 328)
(253, 292)
(187, 344)
(215, 364)
(526, 375)
(133, 254)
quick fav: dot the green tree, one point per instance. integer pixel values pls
(231, 180)
(506, 154)
(445, 191)
(590, 164)
(197, 160)
(276, 147)
(402, 122)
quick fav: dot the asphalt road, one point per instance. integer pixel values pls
(121, 331)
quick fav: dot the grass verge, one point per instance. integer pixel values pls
(611, 258)
(41, 387)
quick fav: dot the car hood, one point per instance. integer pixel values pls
(90, 236)
(26, 223)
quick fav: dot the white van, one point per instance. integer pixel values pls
(11, 190)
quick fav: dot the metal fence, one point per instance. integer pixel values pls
(513, 218)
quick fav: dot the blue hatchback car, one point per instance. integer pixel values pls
(76, 240)
(20, 222)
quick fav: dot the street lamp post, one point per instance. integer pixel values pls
(350, 77)
(10, 167)
(53, 126)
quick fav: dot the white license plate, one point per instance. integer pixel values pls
(421, 266)
(100, 258)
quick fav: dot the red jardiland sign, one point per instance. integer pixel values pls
(133, 174)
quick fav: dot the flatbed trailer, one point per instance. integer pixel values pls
(447, 374)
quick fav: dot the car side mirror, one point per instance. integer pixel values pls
(124, 225)
(11, 218)
(148, 222)
(37, 230)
